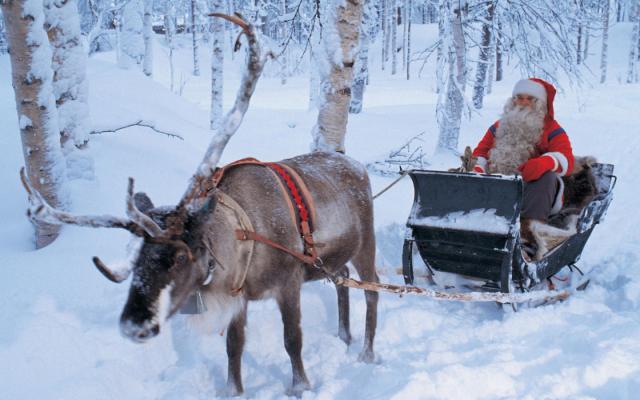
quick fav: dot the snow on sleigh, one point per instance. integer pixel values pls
(467, 225)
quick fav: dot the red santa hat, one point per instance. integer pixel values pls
(538, 88)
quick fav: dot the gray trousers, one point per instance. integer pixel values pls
(538, 197)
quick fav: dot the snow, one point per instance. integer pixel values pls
(60, 338)
(484, 220)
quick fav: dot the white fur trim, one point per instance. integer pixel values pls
(555, 161)
(481, 161)
(527, 86)
(557, 202)
(560, 158)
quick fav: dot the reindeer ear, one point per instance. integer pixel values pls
(143, 202)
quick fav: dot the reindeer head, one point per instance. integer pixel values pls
(167, 269)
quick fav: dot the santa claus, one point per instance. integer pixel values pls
(527, 140)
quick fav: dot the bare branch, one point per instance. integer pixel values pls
(137, 123)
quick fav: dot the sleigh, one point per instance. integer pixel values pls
(467, 225)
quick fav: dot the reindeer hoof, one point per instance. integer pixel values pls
(232, 390)
(345, 336)
(367, 357)
(298, 389)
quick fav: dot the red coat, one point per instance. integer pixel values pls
(553, 142)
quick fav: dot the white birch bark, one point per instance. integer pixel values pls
(169, 34)
(409, 16)
(147, 66)
(32, 77)
(131, 40)
(361, 68)
(451, 97)
(385, 31)
(69, 64)
(605, 42)
(632, 73)
(394, 37)
(483, 58)
(194, 40)
(341, 34)
(217, 63)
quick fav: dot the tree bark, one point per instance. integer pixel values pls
(451, 98)
(194, 40)
(217, 64)
(147, 66)
(605, 42)
(483, 62)
(37, 116)
(330, 129)
(69, 63)
(632, 74)
(361, 69)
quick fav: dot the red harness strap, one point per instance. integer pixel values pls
(299, 200)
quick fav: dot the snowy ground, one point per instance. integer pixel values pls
(59, 334)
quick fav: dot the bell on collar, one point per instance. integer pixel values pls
(194, 305)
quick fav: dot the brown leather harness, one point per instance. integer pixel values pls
(297, 197)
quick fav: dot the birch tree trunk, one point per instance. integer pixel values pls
(147, 66)
(385, 32)
(498, 50)
(69, 63)
(330, 129)
(361, 69)
(169, 33)
(132, 42)
(605, 42)
(37, 117)
(632, 74)
(394, 37)
(409, 15)
(217, 66)
(194, 40)
(483, 61)
(451, 97)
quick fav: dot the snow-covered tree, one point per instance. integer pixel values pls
(483, 56)
(452, 76)
(632, 73)
(132, 46)
(147, 66)
(70, 86)
(170, 39)
(605, 41)
(32, 78)
(194, 39)
(340, 39)
(217, 64)
(361, 68)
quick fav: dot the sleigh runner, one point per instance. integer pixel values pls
(468, 225)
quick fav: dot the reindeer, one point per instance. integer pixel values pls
(193, 245)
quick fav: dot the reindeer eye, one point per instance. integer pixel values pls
(181, 258)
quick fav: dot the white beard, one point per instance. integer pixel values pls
(516, 137)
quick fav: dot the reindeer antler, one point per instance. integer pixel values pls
(233, 118)
(138, 223)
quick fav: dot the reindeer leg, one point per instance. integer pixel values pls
(364, 262)
(344, 330)
(289, 303)
(235, 345)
